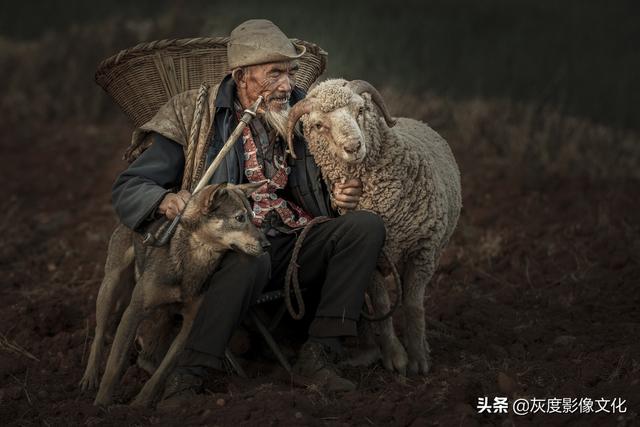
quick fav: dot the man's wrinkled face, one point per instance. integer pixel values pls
(274, 81)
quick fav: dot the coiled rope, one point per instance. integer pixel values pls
(291, 278)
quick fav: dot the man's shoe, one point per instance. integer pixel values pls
(181, 388)
(316, 363)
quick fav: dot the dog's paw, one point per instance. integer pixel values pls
(89, 381)
(394, 356)
(142, 402)
(102, 401)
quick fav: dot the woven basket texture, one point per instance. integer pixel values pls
(142, 78)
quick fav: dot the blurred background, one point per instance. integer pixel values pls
(580, 56)
(573, 58)
(537, 292)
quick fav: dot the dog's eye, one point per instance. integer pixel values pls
(241, 218)
(318, 126)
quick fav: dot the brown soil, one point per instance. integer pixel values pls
(537, 296)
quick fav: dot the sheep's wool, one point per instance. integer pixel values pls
(409, 175)
(410, 178)
(333, 95)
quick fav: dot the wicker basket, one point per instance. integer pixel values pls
(142, 78)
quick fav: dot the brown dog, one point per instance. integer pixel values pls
(216, 219)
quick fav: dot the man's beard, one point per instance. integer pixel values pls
(277, 120)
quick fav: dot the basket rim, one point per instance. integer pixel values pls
(195, 42)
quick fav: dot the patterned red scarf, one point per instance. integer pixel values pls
(266, 199)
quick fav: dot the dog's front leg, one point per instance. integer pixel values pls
(156, 383)
(131, 318)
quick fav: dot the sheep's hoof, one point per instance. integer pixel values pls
(419, 359)
(394, 357)
(363, 358)
(419, 366)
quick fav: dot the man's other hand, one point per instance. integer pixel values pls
(173, 203)
(346, 196)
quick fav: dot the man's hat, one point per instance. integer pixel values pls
(259, 41)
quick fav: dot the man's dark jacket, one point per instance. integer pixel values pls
(139, 190)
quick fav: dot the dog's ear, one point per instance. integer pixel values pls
(212, 197)
(250, 187)
(217, 199)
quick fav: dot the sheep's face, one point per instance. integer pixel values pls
(343, 119)
(340, 130)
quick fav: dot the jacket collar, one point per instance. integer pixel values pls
(227, 93)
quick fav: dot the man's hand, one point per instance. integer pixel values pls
(346, 196)
(173, 203)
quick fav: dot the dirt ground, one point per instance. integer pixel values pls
(536, 296)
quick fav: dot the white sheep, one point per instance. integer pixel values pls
(410, 178)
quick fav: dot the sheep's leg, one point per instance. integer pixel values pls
(394, 356)
(368, 351)
(417, 275)
(118, 276)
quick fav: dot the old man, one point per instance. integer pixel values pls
(338, 257)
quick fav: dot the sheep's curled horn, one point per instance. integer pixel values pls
(362, 86)
(306, 106)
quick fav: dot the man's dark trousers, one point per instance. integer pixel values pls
(338, 257)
